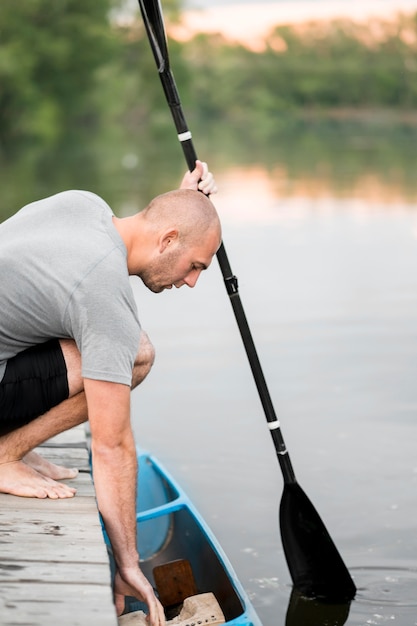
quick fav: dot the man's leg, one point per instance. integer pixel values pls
(75, 386)
(24, 472)
(17, 477)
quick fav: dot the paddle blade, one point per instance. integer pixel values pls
(307, 612)
(154, 24)
(315, 565)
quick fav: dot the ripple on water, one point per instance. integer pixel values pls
(386, 586)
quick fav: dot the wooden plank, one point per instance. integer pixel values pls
(86, 547)
(54, 566)
(39, 604)
(53, 572)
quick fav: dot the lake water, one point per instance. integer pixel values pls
(322, 234)
(329, 285)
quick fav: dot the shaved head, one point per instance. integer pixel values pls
(172, 240)
(188, 211)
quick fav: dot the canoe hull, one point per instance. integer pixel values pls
(170, 529)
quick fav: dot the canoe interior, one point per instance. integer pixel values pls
(169, 528)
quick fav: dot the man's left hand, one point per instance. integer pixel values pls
(200, 179)
(133, 583)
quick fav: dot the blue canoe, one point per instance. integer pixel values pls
(171, 531)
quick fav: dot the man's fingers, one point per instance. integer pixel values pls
(200, 179)
(207, 184)
(119, 601)
(156, 614)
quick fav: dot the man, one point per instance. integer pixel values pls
(71, 346)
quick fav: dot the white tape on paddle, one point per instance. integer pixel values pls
(185, 136)
(273, 425)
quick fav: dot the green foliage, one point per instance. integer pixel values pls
(50, 52)
(81, 103)
(316, 68)
(76, 78)
(74, 68)
(71, 67)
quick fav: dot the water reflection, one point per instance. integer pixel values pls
(307, 612)
(310, 161)
(127, 172)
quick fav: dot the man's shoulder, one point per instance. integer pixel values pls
(65, 203)
(81, 197)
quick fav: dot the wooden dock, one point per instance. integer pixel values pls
(54, 569)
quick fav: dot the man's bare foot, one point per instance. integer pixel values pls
(50, 470)
(19, 479)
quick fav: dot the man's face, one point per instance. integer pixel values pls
(179, 265)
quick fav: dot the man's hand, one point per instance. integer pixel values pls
(131, 582)
(200, 179)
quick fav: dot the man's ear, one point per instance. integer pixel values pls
(167, 239)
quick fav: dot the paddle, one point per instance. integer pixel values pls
(307, 612)
(316, 567)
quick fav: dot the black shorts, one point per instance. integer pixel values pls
(34, 381)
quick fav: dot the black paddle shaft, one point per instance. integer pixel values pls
(316, 567)
(184, 135)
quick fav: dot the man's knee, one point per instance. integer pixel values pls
(144, 359)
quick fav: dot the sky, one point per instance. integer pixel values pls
(248, 21)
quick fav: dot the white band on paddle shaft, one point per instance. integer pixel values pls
(185, 136)
(273, 425)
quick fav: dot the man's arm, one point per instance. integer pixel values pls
(115, 471)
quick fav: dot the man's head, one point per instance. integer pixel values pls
(184, 231)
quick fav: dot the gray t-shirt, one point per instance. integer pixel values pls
(63, 273)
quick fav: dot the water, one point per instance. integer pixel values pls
(321, 230)
(330, 290)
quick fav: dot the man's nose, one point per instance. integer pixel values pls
(192, 278)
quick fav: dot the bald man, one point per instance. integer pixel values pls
(72, 348)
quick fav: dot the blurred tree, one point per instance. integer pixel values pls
(315, 68)
(50, 51)
(133, 75)
(65, 65)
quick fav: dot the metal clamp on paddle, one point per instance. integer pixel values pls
(231, 285)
